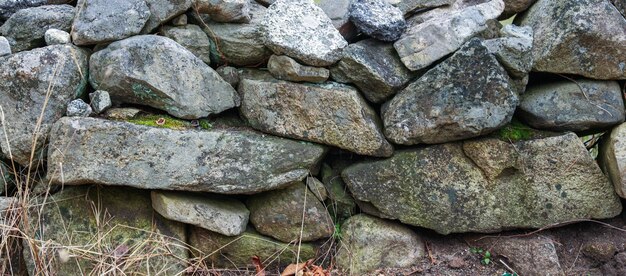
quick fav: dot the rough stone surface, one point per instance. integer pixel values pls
(26, 28)
(163, 75)
(191, 37)
(465, 96)
(514, 49)
(24, 82)
(6, 178)
(236, 252)
(9, 7)
(377, 19)
(180, 20)
(621, 6)
(407, 6)
(336, 10)
(374, 67)
(369, 243)
(613, 158)
(512, 7)
(303, 31)
(425, 42)
(286, 68)
(229, 74)
(220, 161)
(121, 113)
(162, 11)
(130, 226)
(100, 101)
(317, 188)
(574, 106)
(5, 46)
(586, 37)
(533, 255)
(54, 37)
(487, 185)
(78, 108)
(329, 113)
(222, 215)
(99, 21)
(226, 11)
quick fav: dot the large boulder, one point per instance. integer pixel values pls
(44, 79)
(574, 105)
(329, 113)
(100, 21)
(87, 150)
(465, 96)
(158, 72)
(26, 28)
(428, 40)
(301, 30)
(613, 158)
(586, 37)
(191, 37)
(369, 243)
(487, 185)
(162, 11)
(280, 213)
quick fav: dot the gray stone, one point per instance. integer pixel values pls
(573, 105)
(303, 31)
(586, 37)
(229, 74)
(158, 72)
(369, 243)
(180, 20)
(317, 188)
(329, 113)
(215, 213)
(100, 101)
(100, 21)
(613, 158)
(219, 161)
(25, 82)
(162, 11)
(280, 214)
(121, 113)
(26, 28)
(375, 68)
(514, 49)
(6, 177)
(511, 7)
(285, 68)
(54, 37)
(377, 19)
(621, 6)
(336, 10)
(487, 185)
(78, 108)
(9, 7)
(192, 38)
(5, 46)
(236, 11)
(467, 95)
(408, 6)
(532, 255)
(433, 37)
(342, 206)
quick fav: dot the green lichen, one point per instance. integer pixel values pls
(516, 131)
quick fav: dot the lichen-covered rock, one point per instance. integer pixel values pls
(511, 7)
(100, 101)
(369, 243)
(407, 6)
(229, 74)
(9, 7)
(513, 49)
(123, 222)
(191, 37)
(586, 37)
(532, 255)
(425, 42)
(301, 30)
(55, 36)
(465, 96)
(26, 28)
(158, 72)
(329, 113)
(223, 215)
(162, 11)
(25, 80)
(100, 21)
(573, 105)
(375, 68)
(317, 188)
(236, 11)
(5, 46)
(621, 6)
(220, 161)
(279, 214)
(446, 187)
(286, 68)
(613, 158)
(236, 252)
(78, 108)
(377, 19)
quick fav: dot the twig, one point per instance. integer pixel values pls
(554, 225)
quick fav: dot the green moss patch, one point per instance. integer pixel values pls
(516, 131)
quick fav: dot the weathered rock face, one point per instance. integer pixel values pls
(613, 158)
(25, 80)
(130, 227)
(78, 108)
(286, 68)
(191, 37)
(279, 214)
(513, 50)
(6, 178)
(425, 42)
(533, 255)
(99, 21)
(9, 7)
(621, 6)
(220, 161)
(512, 7)
(303, 31)
(329, 113)
(467, 95)
(585, 38)
(218, 214)
(100, 101)
(225, 10)
(162, 11)
(377, 19)
(236, 252)
(369, 243)
(375, 68)
(55, 36)
(407, 6)
(5, 47)
(563, 105)
(158, 72)
(487, 185)
(26, 28)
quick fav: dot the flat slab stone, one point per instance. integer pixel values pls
(99, 21)
(286, 68)
(219, 161)
(162, 11)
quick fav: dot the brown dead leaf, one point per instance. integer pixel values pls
(292, 269)
(258, 266)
